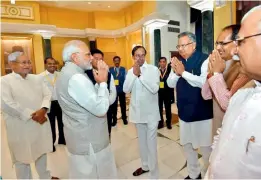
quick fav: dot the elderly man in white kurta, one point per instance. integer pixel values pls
(237, 149)
(25, 100)
(84, 114)
(142, 81)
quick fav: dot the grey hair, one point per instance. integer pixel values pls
(70, 48)
(14, 55)
(251, 11)
(191, 36)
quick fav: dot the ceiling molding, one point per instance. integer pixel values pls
(48, 31)
(202, 5)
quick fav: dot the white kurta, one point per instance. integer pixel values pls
(144, 112)
(197, 133)
(99, 165)
(112, 92)
(27, 139)
(144, 94)
(235, 155)
(49, 79)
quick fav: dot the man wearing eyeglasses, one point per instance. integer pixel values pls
(195, 114)
(225, 75)
(237, 150)
(25, 102)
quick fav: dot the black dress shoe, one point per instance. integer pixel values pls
(114, 123)
(62, 142)
(125, 122)
(199, 177)
(161, 124)
(169, 126)
(54, 149)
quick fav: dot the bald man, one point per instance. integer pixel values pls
(237, 149)
(25, 101)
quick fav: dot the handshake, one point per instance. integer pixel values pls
(39, 116)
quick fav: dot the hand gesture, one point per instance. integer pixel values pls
(217, 63)
(39, 116)
(178, 66)
(136, 69)
(101, 75)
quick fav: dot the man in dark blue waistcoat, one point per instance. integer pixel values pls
(98, 56)
(119, 74)
(195, 114)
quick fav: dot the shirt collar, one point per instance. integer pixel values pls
(258, 83)
(19, 76)
(47, 72)
(145, 65)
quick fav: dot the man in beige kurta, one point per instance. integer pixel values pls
(24, 103)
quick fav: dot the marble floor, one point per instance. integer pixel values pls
(171, 160)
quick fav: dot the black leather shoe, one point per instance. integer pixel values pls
(199, 177)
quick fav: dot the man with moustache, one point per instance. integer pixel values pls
(49, 77)
(142, 81)
(164, 93)
(119, 74)
(237, 149)
(225, 75)
(84, 114)
(195, 114)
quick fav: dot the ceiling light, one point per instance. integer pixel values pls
(89, 3)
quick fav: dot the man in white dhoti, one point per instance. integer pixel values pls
(84, 114)
(195, 114)
(237, 149)
(142, 81)
(25, 100)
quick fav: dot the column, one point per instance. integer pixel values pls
(207, 32)
(93, 43)
(204, 25)
(47, 47)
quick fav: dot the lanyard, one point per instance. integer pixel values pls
(50, 81)
(162, 76)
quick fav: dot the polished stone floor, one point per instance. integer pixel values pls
(172, 163)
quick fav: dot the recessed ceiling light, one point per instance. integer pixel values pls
(89, 3)
(109, 6)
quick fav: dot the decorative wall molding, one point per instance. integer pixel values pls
(17, 12)
(47, 31)
(202, 5)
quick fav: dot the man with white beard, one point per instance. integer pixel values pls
(237, 149)
(84, 114)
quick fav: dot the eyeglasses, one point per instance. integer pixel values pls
(239, 40)
(183, 46)
(24, 63)
(222, 43)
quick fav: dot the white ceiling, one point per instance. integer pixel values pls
(89, 5)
